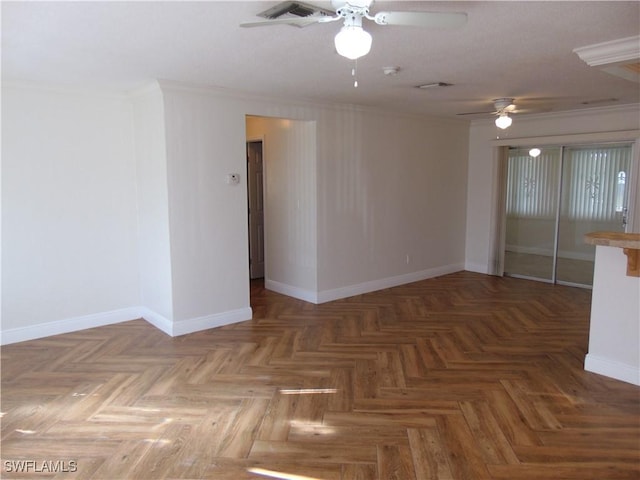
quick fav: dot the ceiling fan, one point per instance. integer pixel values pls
(352, 41)
(503, 107)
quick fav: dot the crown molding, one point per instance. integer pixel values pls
(570, 138)
(150, 88)
(614, 51)
(575, 113)
(91, 91)
(271, 101)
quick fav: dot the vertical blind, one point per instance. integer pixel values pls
(594, 182)
(532, 183)
(592, 188)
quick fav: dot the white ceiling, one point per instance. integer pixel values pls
(507, 49)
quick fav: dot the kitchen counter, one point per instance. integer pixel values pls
(629, 242)
(614, 332)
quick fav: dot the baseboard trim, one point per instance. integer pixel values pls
(360, 288)
(173, 329)
(291, 291)
(476, 268)
(613, 369)
(388, 282)
(183, 327)
(41, 330)
(157, 320)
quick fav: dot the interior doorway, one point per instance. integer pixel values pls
(554, 196)
(282, 204)
(255, 192)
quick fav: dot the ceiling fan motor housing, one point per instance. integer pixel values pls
(353, 4)
(352, 11)
(502, 104)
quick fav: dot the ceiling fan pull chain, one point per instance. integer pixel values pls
(354, 73)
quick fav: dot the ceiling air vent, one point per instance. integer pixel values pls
(295, 10)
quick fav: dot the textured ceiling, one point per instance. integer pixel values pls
(507, 49)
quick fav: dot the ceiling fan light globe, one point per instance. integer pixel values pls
(353, 42)
(503, 121)
(535, 152)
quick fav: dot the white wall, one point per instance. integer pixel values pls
(115, 207)
(153, 206)
(388, 185)
(289, 158)
(68, 211)
(392, 201)
(614, 335)
(586, 125)
(205, 137)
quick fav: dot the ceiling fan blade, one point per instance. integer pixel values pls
(530, 110)
(422, 19)
(477, 113)
(302, 21)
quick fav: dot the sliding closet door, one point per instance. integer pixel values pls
(594, 198)
(531, 212)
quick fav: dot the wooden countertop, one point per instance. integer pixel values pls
(629, 242)
(613, 239)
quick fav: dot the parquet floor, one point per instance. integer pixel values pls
(464, 377)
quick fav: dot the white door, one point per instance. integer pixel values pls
(256, 209)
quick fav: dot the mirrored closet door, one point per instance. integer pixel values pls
(554, 196)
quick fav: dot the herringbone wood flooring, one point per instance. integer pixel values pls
(464, 376)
